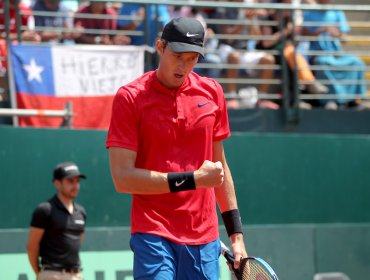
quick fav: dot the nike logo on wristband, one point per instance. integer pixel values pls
(202, 104)
(178, 184)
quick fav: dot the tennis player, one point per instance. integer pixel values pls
(165, 148)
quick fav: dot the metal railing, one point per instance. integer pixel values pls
(66, 114)
(281, 91)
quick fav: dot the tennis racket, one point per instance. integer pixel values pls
(251, 268)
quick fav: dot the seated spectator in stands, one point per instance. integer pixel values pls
(25, 18)
(54, 23)
(141, 21)
(235, 51)
(282, 41)
(329, 38)
(25, 35)
(104, 24)
(211, 56)
(298, 14)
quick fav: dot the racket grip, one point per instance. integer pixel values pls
(230, 259)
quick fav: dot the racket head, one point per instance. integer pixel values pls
(251, 268)
(254, 268)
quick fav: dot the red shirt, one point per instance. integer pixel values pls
(171, 131)
(25, 14)
(94, 23)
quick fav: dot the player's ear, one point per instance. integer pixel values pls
(160, 46)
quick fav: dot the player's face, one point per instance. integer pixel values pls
(69, 187)
(174, 67)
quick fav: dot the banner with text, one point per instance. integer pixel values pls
(47, 77)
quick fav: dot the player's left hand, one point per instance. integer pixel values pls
(238, 248)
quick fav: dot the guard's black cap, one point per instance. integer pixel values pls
(67, 170)
(184, 35)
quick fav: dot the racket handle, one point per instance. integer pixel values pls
(230, 259)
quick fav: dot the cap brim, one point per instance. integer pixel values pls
(179, 47)
(76, 175)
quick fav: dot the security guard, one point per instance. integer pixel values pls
(57, 228)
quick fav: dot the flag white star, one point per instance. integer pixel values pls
(33, 71)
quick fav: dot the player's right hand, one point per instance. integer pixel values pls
(209, 175)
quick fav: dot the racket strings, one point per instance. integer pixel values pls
(252, 270)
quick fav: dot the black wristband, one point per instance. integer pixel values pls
(232, 221)
(181, 181)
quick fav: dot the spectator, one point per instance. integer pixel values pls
(25, 35)
(302, 45)
(25, 18)
(153, 21)
(282, 41)
(211, 56)
(234, 51)
(329, 39)
(109, 23)
(55, 22)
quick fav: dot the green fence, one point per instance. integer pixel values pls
(303, 198)
(280, 179)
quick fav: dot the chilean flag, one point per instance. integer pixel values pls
(47, 77)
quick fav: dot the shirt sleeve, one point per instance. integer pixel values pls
(342, 20)
(123, 129)
(221, 130)
(40, 216)
(83, 212)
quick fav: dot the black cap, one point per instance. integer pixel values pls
(67, 170)
(184, 35)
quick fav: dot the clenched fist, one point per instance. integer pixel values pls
(209, 175)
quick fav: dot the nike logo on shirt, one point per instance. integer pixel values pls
(202, 104)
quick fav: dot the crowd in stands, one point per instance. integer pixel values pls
(118, 23)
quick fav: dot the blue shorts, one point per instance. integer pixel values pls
(157, 258)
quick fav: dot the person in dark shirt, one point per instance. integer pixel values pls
(57, 228)
(50, 26)
(234, 51)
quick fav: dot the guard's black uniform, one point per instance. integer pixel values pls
(60, 244)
